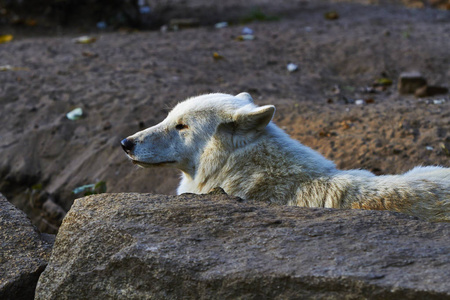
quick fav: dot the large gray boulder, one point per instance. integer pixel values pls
(142, 246)
(24, 253)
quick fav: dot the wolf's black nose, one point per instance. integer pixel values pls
(127, 145)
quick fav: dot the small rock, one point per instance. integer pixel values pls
(75, 114)
(438, 101)
(85, 39)
(360, 102)
(247, 30)
(221, 25)
(292, 67)
(409, 82)
(429, 148)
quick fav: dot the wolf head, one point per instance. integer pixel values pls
(230, 122)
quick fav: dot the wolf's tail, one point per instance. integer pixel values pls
(423, 192)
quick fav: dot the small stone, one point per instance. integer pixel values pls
(75, 114)
(360, 102)
(438, 101)
(247, 30)
(292, 67)
(429, 148)
(409, 82)
(221, 25)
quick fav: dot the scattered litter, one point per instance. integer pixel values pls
(90, 189)
(247, 31)
(85, 39)
(75, 114)
(6, 38)
(101, 25)
(360, 102)
(331, 15)
(221, 25)
(444, 149)
(83, 188)
(246, 37)
(438, 101)
(11, 68)
(292, 67)
(217, 56)
(429, 148)
(6, 68)
(143, 7)
(383, 81)
(369, 90)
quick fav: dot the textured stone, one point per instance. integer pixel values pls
(142, 246)
(24, 253)
(409, 82)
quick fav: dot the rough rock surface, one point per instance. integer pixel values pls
(143, 246)
(24, 253)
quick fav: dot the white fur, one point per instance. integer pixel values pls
(229, 142)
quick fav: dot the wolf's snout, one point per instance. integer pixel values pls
(127, 145)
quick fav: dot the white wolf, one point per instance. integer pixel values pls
(220, 140)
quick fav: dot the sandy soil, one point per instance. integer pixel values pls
(127, 81)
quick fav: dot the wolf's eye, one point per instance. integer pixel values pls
(181, 126)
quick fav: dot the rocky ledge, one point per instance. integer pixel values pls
(24, 253)
(142, 246)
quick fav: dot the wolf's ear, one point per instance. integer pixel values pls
(246, 125)
(256, 119)
(245, 96)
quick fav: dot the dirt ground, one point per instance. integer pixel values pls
(126, 81)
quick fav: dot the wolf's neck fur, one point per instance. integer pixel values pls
(249, 170)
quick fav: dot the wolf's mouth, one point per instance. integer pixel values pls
(149, 165)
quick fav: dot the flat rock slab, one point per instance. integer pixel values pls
(24, 253)
(143, 246)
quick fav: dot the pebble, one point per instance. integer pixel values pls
(360, 102)
(221, 25)
(438, 101)
(75, 114)
(246, 31)
(292, 67)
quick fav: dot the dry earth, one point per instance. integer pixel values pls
(127, 81)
